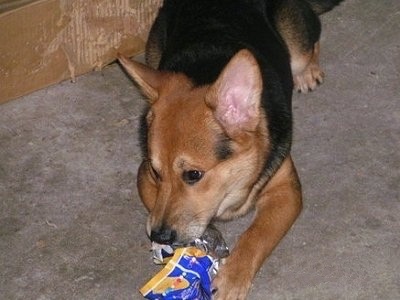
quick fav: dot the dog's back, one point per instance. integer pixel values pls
(202, 35)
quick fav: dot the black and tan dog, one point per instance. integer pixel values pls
(217, 134)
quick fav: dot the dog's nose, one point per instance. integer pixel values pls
(163, 235)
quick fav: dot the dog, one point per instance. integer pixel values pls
(217, 132)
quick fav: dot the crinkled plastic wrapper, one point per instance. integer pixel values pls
(187, 275)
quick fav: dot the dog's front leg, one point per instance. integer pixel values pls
(278, 206)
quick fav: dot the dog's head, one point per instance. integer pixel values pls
(206, 146)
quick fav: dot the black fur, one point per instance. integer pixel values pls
(223, 149)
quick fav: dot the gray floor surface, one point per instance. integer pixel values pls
(72, 225)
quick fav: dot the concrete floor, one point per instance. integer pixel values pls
(72, 225)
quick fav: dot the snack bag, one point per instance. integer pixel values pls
(189, 268)
(187, 275)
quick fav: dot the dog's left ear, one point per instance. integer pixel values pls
(148, 79)
(235, 96)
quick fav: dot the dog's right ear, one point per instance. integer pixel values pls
(148, 79)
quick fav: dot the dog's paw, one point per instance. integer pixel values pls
(309, 79)
(230, 284)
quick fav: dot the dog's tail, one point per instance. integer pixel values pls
(322, 6)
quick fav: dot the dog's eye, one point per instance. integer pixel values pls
(192, 176)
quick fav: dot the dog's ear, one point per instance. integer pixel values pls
(148, 79)
(235, 96)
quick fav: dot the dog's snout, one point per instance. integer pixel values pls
(163, 235)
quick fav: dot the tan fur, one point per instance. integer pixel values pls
(277, 207)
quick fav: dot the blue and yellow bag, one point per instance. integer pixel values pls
(187, 275)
